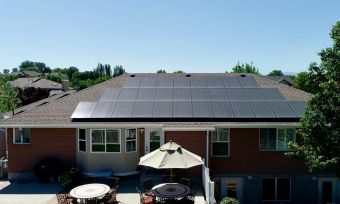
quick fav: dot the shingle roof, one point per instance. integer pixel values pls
(36, 83)
(59, 110)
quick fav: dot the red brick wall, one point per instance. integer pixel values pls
(245, 157)
(2, 143)
(57, 142)
(194, 141)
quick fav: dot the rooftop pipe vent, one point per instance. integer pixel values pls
(132, 75)
(187, 75)
(243, 75)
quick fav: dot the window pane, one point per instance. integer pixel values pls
(283, 189)
(223, 134)
(268, 189)
(112, 136)
(214, 136)
(17, 137)
(290, 135)
(25, 135)
(98, 136)
(98, 148)
(82, 134)
(282, 144)
(82, 146)
(220, 149)
(130, 146)
(113, 148)
(268, 138)
(131, 134)
(232, 189)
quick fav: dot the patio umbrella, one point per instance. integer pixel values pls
(169, 156)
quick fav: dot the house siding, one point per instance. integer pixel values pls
(55, 142)
(2, 143)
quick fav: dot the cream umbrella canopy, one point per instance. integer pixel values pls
(169, 156)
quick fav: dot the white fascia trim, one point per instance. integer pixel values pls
(211, 128)
(79, 125)
(259, 125)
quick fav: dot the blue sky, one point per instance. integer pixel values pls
(144, 36)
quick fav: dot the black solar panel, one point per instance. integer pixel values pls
(272, 94)
(164, 82)
(254, 94)
(236, 94)
(84, 110)
(202, 109)
(162, 109)
(222, 109)
(164, 94)
(128, 94)
(182, 109)
(261, 109)
(181, 82)
(198, 82)
(132, 82)
(143, 109)
(282, 109)
(103, 110)
(218, 94)
(231, 82)
(123, 109)
(200, 94)
(298, 107)
(247, 82)
(148, 82)
(241, 109)
(110, 94)
(146, 94)
(182, 94)
(215, 82)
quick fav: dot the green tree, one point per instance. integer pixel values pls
(276, 72)
(34, 66)
(6, 71)
(54, 78)
(178, 72)
(320, 126)
(245, 68)
(8, 98)
(118, 70)
(161, 71)
(15, 70)
(71, 71)
(301, 81)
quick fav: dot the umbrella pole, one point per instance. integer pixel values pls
(171, 175)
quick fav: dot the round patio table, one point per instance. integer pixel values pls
(89, 191)
(171, 190)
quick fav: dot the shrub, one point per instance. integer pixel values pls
(48, 169)
(228, 200)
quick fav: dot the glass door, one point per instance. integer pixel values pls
(232, 187)
(153, 139)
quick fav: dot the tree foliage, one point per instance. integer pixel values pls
(118, 70)
(34, 66)
(320, 126)
(6, 71)
(8, 98)
(179, 72)
(55, 78)
(276, 72)
(245, 68)
(161, 71)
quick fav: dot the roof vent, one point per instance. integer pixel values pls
(132, 75)
(243, 75)
(187, 75)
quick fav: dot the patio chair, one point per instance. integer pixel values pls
(189, 199)
(145, 198)
(110, 197)
(70, 199)
(113, 181)
(61, 197)
(147, 185)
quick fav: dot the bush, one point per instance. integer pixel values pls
(48, 169)
(228, 200)
(71, 178)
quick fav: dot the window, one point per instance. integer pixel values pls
(276, 139)
(155, 140)
(81, 140)
(220, 142)
(131, 140)
(276, 189)
(22, 136)
(106, 140)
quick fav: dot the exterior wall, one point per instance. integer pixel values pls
(246, 158)
(141, 140)
(194, 141)
(59, 143)
(122, 162)
(2, 143)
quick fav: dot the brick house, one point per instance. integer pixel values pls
(240, 123)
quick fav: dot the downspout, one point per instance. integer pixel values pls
(207, 150)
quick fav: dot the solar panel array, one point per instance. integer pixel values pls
(190, 97)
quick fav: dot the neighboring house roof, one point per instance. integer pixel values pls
(26, 74)
(36, 83)
(59, 111)
(287, 80)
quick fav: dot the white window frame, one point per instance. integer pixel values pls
(21, 137)
(105, 152)
(129, 140)
(277, 139)
(276, 178)
(82, 140)
(212, 141)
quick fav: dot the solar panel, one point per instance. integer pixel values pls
(202, 109)
(262, 109)
(247, 82)
(181, 82)
(128, 94)
(110, 94)
(146, 94)
(198, 82)
(143, 109)
(132, 82)
(162, 109)
(231, 82)
(164, 94)
(241, 109)
(215, 82)
(182, 94)
(103, 110)
(272, 94)
(200, 94)
(298, 107)
(282, 109)
(123, 109)
(253, 94)
(182, 109)
(148, 82)
(236, 94)
(165, 82)
(222, 109)
(218, 94)
(84, 110)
